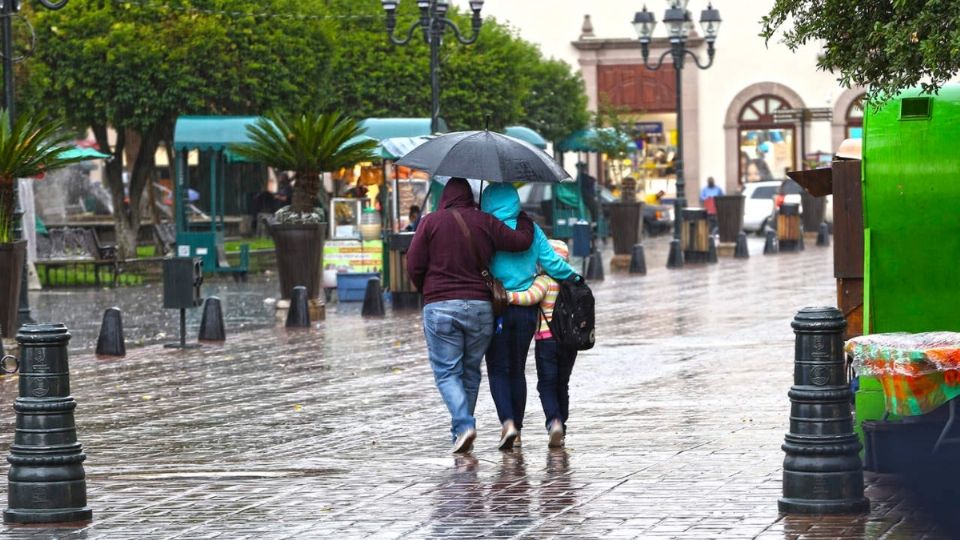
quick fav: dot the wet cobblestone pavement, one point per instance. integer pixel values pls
(675, 431)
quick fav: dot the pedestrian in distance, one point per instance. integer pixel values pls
(413, 219)
(507, 354)
(458, 317)
(708, 200)
(554, 362)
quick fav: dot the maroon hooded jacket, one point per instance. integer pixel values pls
(441, 263)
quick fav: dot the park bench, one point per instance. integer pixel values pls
(77, 248)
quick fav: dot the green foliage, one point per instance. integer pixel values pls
(30, 148)
(556, 104)
(883, 45)
(309, 145)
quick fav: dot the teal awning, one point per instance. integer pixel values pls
(526, 134)
(211, 132)
(388, 128)
(585, 141)
(84, 153)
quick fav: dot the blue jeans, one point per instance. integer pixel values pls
(554, 366)
(506, 361)
(458, 332)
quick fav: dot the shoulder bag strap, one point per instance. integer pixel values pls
(466, 234)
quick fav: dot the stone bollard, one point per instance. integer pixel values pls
(741, 251)
(110, 341)
(638, 260)
(822, 472)
(770, 246)
(712, 250)
(373, 300)
(299, 314)
(211, 325)
(823, 235)
(595, 267)
(46, 482)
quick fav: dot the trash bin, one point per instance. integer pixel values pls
(729, 217)
(402, 292)
(626, 220)
(788, 227)
(695, 235)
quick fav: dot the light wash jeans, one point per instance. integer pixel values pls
(458, 332)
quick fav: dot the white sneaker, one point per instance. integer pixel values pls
(508, 435)
(556, 435)
(464, 441)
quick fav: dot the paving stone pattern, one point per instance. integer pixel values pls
(677, 419)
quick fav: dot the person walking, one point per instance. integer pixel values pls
(708, 200)
(457, 314)
(554, 362)
(507, 354)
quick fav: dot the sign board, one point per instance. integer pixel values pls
(353, 255)
(183, 251)
(644, 128)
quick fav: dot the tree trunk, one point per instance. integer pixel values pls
(305, 192)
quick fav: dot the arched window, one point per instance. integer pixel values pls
(854, 118)
(766, 147)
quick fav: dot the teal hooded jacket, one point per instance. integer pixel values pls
(518, 270)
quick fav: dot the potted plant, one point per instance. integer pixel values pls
(309, 145)
(29, 148)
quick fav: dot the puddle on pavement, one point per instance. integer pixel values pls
(215, 475)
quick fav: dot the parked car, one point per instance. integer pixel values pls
(657, 219)
(760, 201)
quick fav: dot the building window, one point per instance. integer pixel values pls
(767, 149)
(854, 119)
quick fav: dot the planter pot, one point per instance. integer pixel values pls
(729, 217)
(12, 257)
(626, 219)
(299, 257)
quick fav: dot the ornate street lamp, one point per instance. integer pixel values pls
(434, 23)
(679, 24)
(8, 9)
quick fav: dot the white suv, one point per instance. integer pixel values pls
(758, 205)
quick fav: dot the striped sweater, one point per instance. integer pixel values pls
(544, 291)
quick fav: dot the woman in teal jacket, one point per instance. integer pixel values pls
(507, 353)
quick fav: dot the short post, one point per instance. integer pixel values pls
(770, 247)
(742, 251)
(638, 261)
(211, 325)
(712, 250)
(298, 316)
(373, 300)
(823, 235)
(110, 341)
(822, 471)
(46, 482)
(595, 267)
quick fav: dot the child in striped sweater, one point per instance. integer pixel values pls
(554, 363)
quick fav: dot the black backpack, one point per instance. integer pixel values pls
(573, 317)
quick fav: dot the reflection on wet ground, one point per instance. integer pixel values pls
(676, 424)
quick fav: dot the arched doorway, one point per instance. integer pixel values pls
(749, 124)
(767, 148)
(847, 116)
(854, 118)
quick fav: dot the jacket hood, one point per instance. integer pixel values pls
(457, 194)
(503, 202)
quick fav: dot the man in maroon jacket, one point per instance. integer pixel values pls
(457, 313)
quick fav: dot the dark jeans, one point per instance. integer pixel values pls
(554, 366)
(506, 359)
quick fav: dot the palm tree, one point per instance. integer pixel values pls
(30, 148)
(309, 145)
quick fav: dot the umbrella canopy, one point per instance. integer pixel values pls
(86, 153)
(485, 155)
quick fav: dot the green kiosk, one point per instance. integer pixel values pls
(212, 136)
(911, 189)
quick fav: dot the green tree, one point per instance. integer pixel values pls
(135, 67)
(883, 45)
(556, 104)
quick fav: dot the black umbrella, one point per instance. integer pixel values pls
(484, 155)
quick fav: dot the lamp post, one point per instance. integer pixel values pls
(679, 24)
(434, 24)
(9, 9)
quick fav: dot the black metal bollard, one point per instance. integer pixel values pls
(211, 325)
(675, 258)
(299, 314)
(801, 247)
(823, 235)
(712, 250)
(110, 341)
(822, 472)
(595, 267)
(46, 482)
(770, 246)
(373, 300)
(638, 260)
(741, 251)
